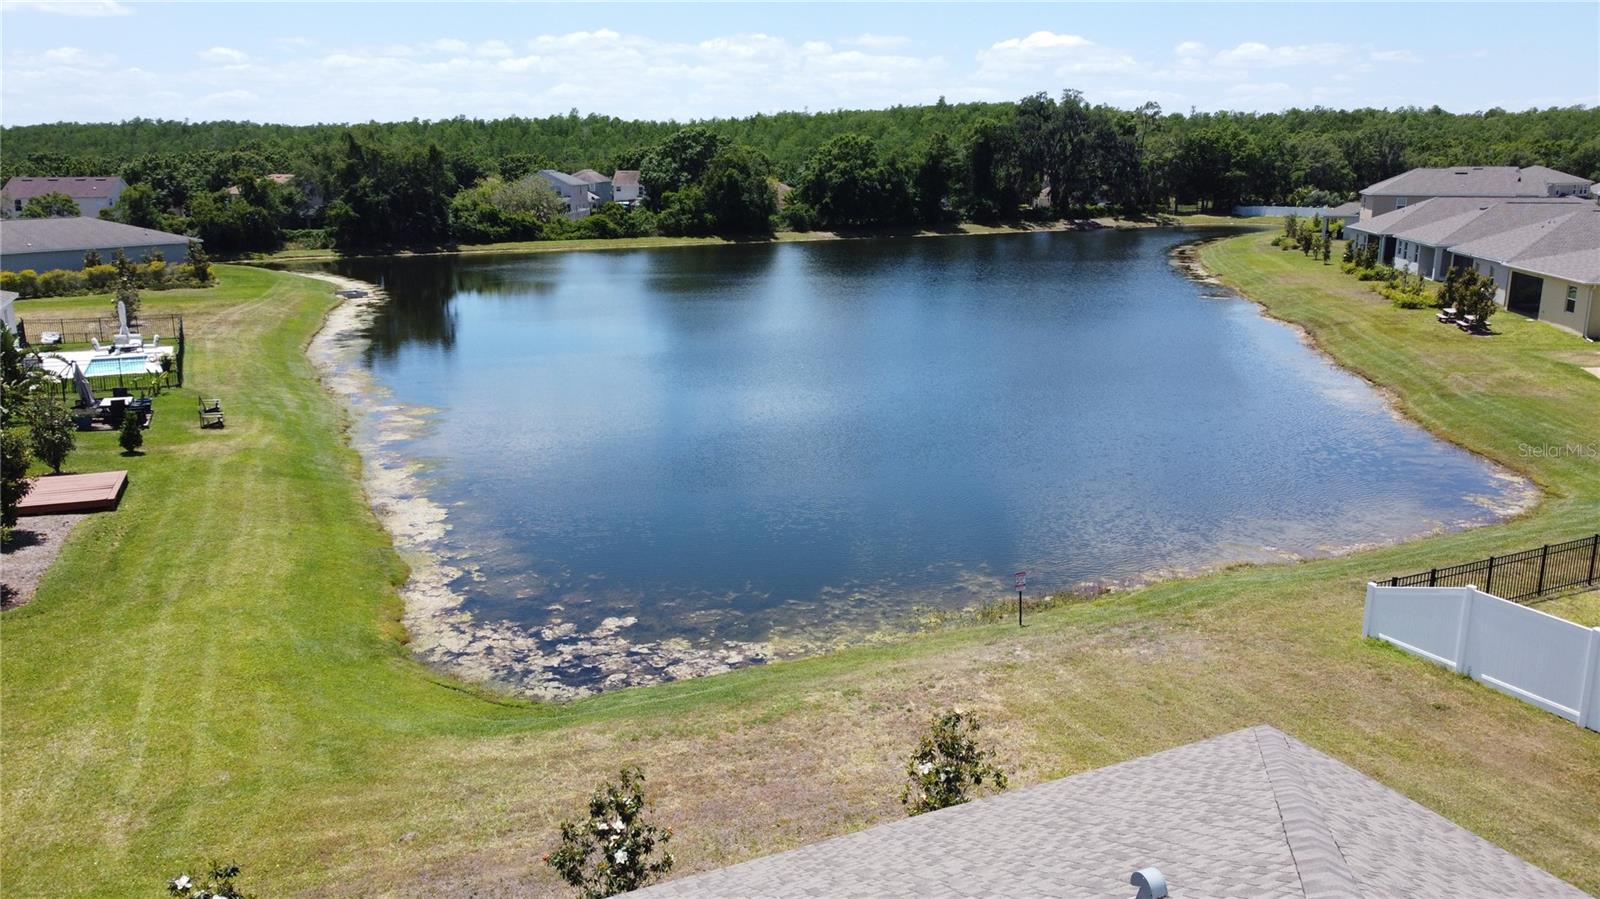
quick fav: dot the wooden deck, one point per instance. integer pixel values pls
(55, 494)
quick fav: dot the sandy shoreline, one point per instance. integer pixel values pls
(537, 663)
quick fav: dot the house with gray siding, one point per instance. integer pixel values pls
(1549, 270)
(46, 244)
(575, 191)
(599, 186)
(626, 187)
(92, 194)
(1410, 188)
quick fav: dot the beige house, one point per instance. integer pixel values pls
(1417, 185)
(1549, 270)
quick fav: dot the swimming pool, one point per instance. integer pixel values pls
(117, 365)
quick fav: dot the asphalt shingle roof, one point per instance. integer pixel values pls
(79, 188)
(1252, 813)
(562, 178)
(1569, 249)
(1474, 181)
(82, 233)
(1494, 218)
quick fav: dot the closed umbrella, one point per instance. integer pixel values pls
(80, 381)
(22, 334)
(122, 319)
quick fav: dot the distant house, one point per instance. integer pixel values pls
(780, 193)
(92, 194)
(1470, 181)
(625, 187)
(45, 244)
(1349, 213)
(575, 191)
(599, 186)
(310, 196)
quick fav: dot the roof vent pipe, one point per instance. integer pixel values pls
(1151, 882)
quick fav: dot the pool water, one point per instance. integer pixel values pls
(117, 365)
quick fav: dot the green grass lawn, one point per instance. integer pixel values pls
(216, 669)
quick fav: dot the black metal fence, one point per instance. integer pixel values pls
(75, 331)
(1518, 575)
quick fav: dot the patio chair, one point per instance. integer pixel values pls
(95, 342)
(155, 341)
(211, 413)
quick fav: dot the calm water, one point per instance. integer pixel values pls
(812, 440)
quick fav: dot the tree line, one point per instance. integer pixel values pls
(464, 180)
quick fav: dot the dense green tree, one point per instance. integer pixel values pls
(680, 160)
(934, 185)
(14, 483)
(50, 431)
(496, 210)
(736, 188)
(850, 185)
(51, 205)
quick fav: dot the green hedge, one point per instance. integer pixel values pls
(155, 275)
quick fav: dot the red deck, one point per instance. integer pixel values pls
(55, 494)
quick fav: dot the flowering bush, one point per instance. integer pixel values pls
(946, 764)
(612, 852)
(218, 884)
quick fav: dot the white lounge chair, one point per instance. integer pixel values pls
(94, 342)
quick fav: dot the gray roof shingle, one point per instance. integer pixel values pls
(24, 187)
(1568, 248)
(1251, 813)
(82, 233)
(1474, 181)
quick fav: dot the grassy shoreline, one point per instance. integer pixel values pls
(217, 668)
(965, 229)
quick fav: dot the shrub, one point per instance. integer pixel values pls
(219, 883)
(946, 764)
(304, 239)
(14, 483)
(50, 432)
(100, 278)
(24, 283)
(612, 852)
(153, 273)
(60, 283)
(132, 436)
(1385, 273)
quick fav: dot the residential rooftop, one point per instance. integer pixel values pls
(589, 176)
(563, 178)
(1475, 181)
(626, 178)
(1411, 219)
(1567, 248)
(79, 188)
(80, 233)
(1251, 813)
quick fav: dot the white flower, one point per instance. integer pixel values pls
(924, 768)
(617, 825)
(181, 883)
(621, 856)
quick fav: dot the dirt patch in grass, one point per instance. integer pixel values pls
(34, 544)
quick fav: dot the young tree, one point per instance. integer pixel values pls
(14, 483)
(92, 259)
(50, 432)
(947, 763)
(128, 295)
(51, 205)
(199, 262)
(615, 849)
(132, 436)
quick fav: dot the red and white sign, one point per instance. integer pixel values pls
(1022, 579)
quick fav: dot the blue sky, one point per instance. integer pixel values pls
(104, 60)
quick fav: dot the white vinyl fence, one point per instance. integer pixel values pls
(1302, 211)
(1538, 658)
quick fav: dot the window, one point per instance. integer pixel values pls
(1572, 299)
(1399, 202)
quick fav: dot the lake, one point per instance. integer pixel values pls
(733, 453)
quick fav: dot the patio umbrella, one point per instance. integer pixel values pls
(122, 319)
(22, 334)
(82, 383)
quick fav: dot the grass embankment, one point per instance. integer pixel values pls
(638, 243)
(215, 669)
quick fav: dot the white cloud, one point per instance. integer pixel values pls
(224, 56)
(1052, 54)
(1250, 55)
(878, 41)
(75, 57)
(1189, 49)
(1404, 56)
(80, 8)
(494, 49)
